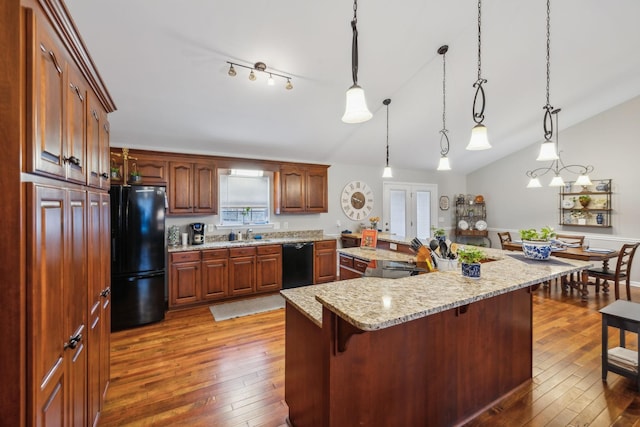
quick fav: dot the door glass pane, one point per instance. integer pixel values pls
(423, 214)
(398, 212)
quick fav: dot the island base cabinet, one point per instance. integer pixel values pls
(439, 370)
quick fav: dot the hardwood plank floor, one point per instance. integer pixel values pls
(192, 371)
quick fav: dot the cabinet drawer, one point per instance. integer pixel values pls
(185, 256)
(269, 249)
(346, 261)
(360, 265)
(247, 251)
(215, 254)
(325, 244)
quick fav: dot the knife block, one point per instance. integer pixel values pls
(424, 255)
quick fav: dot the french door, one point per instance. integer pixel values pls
(409, 209)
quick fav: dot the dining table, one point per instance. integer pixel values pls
(578, 253)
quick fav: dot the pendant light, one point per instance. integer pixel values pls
(479, 139)
(387, 170)
(444, 165)
(548, 149)
(356, 110)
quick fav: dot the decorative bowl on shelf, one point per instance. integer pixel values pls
(538, 250)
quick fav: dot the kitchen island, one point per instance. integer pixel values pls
(432, 349)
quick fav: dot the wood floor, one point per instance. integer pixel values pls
(192, 371)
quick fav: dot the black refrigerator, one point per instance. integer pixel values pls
(137, 255)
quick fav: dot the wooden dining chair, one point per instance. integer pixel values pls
(622, 271)
(572, 239)
(504, 236)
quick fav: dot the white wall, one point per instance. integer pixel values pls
(609, 142)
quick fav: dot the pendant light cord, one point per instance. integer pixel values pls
(548, 120)
(479, 39)
(354, 44)
(387, 102)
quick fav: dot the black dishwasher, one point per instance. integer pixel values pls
(297, 264)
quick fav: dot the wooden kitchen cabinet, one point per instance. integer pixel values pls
(352, 267)
(56, 369)
(301, 189)
(152, 168)
(192, 188)
(215, 274)
(185, 278)
(269, 268)
(324, 266)
(242, 271)
(98, 168)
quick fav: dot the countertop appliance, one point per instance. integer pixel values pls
(297, 264)
(137, 255)
(196, 233)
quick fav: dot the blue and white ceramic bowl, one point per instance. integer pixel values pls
(536, 250)
(472, 271)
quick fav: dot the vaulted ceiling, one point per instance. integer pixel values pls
(164, 62)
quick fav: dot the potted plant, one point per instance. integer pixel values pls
(470, 257)
(536, 244)
(438, 233)
(115, 172)
(584, 199)
(245, 214)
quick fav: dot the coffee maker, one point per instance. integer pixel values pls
(196, 232)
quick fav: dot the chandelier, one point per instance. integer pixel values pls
(550, 150)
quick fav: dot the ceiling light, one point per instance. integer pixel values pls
(443, 164)
(387, 170)
(260, 67)
(356, 110)
(550, 150)
(479, 139)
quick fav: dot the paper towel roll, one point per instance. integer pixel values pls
(185, 239)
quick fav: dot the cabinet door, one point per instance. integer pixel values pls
(46, 327)
(292, 188)
(215, 278)
(269, 272)
(95, 286)
(185, 282)
(75, 300)
(49, 87)
(152, 168)
(94, 178)
(204, 188)
(242, 275)
(180, 188)
(76, 126)
(316, 199)
(324, 266)
(105, 295)
(105, 153)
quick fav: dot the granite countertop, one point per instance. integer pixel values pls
(385, 237)
(375, 303)
(222, 244)
(368, 254)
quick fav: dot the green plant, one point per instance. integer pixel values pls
(115, 169)
(134, 173)
(470, 254)
(584, 200)
(544, 234)
(437, 232)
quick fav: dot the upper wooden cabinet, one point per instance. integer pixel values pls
(151, 167)
(98, 173)
(192, 188)
(301, 189)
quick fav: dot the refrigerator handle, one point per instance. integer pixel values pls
(113, 250)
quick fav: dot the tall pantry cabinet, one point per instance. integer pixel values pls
(54, 136)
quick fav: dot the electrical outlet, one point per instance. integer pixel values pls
(338, 224)
(285, 225)
(276, 226)
(393, 246)
(210, 228)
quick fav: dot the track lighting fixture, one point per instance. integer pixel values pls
(260, 67)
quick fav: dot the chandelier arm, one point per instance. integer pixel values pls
(582, 170)
(535, 173)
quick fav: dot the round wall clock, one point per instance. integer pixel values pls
(357, 200)
(444, 203)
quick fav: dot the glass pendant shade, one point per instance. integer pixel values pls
(387, 172)
(356, 110)
(547, 152)
(534, 183)
(288, 86)
(557, 181)
(479, 139)
(232, 71)
(583, 180)
(252, 76)
(444, 165)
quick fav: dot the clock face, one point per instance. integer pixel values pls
(357, 200)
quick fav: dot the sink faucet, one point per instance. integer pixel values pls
(249, 234)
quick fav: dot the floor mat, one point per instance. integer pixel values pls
(246, 307)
